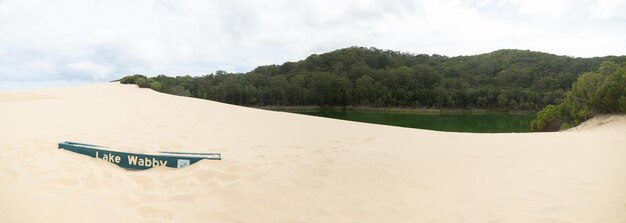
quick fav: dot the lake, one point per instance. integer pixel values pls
(444, 121)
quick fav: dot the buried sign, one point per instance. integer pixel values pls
(136, 161)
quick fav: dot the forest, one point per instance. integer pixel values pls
(602, 91)
(503, 80)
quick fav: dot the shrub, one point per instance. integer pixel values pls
(144, 82)
(132, 79)
(601, 91)
(181, 91)
(156, 86)
(551, 114)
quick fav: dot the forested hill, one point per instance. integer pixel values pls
(357, 76)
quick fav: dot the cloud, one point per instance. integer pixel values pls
(607, 9)
(542, 7)
(95, 70)
(100, 41)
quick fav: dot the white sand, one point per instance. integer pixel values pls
(281, 167)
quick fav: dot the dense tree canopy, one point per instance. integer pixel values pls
(501, 80)
(600, 91)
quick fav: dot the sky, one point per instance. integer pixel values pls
(70, 42)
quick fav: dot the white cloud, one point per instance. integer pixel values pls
(97, 71)
(542, 7)
(98, 41)
(605, 9)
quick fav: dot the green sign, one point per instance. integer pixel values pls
(136, 161)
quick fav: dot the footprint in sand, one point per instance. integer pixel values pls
(497, 220)
(8, 172)
(143, 180)
(154, 213)
(63, 181)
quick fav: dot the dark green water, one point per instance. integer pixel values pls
(453, 122)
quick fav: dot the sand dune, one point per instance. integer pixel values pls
(282, 167)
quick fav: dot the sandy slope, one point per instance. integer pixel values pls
(281, 167)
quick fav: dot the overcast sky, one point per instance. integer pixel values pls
(96, 41)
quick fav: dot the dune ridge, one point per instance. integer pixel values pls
(283, 167)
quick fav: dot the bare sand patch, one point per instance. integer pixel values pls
(282, 167)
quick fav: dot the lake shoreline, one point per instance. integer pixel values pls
(448, 121)
(389, 109)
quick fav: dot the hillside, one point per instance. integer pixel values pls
(357, 76)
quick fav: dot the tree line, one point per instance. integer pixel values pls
(598, 92)
(505, 80)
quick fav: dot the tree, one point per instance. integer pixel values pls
(156, 86)
(132, 79)
(143, 82)
(504, 80)
(549, 114)
(601, 91)
(365, 90)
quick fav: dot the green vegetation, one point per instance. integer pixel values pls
(504, 80)
(132, 79)
(601, 91)
(549, 115)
